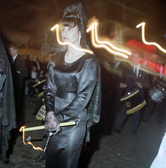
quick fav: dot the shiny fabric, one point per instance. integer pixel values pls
(94, 106)
(81, 78)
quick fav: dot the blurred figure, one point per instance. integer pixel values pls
(39, 89)
(107, 114)
(42, 155)
(34, 77)
(41, 101)
(46, 60)
(7, 106)
(119, 71)
(73, 85)
(157, 96)
(19, 72)
(33, 61)
(139, 80)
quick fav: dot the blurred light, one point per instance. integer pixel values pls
(23, 137)
(93, 28)
(149, 43)
(94, 25)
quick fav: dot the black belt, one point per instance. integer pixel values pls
(65, 95)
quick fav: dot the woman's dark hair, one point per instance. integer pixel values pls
(71, 19)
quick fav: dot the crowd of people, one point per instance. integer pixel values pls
(18, 75)
(136, 91)
(70, 83)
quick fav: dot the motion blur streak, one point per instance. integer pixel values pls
(23, 137)
(94, 26)
(149, 43)
(101, 45)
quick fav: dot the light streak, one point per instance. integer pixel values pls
(150, 67)
(149, 43)
(67, 43)
(23, 137)
(94, 26)
(101, 45)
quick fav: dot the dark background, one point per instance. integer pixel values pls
(32, 17)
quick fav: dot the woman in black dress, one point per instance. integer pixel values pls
(72, 93)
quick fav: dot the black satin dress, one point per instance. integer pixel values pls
(68, 90)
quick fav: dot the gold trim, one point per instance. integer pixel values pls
(41, 113)
(18, 72)
(127, 104)
(130, 95)
(39, 83)
(40, 94)
(136, 108)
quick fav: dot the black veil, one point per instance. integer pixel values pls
(77, 7)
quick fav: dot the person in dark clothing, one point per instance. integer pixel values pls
(7, 105)
(72, 87)
(39, 83)
(40, 103)
(156, 94)
(119, 71)
(138, 79)
(158, 102)
(19, 72)
(32, 81)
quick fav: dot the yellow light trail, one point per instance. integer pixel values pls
(23, 137)
(101, 45)
(94, 26)
(67, 43)
(149, 43)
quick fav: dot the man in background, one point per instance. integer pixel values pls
(19, 72)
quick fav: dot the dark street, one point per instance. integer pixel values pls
(106, 149)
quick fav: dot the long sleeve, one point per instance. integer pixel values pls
(85, 88)
(50, 91)
(86, 78)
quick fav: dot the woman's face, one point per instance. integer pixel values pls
(70, 34)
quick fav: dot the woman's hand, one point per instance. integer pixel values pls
(52, 123)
